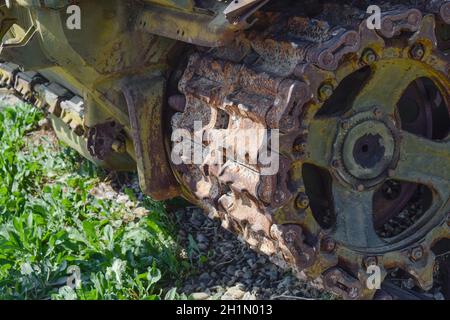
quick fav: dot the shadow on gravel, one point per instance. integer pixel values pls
(228, 269)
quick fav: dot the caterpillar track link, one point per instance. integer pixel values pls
(357, 119)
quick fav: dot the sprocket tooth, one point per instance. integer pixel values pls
(444, 11)
(441, 8)
(422, 270)
(341, 283)
(323, 262)
(426, 35)
(395, 22)
(329, 54)
(292, 244)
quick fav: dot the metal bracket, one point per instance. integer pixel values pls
(22, 42)
(145, 100)
(102, 137)
(239, 10)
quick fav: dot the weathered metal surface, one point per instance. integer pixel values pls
(144, 97)
(102, 137)
(83, 68)
(209, 28)
(312, 70)
(239, 11)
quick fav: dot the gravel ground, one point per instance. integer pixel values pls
(228, 269)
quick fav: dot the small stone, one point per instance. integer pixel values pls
(187, 288)
(262, 260)
(238, 274)
(249, 296)
(201, 238)
(439, 296)
(140, 212)
(273, 274)
(122, 198)
(231, 270)
(231, 282)
(233, 293)
(204, 277)
(200, 296)
(195, 221)
(130, 204)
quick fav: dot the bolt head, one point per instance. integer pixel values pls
(417, 51)
(417, 253)
(302, 201)
(360, 187)
(369, 56)
(325, 91)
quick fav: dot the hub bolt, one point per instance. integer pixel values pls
(369, 56)
(417, 253)
(325, 91)
(360, 188)
(417, 51)
(302, 201)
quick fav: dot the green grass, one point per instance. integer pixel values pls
(50, 225)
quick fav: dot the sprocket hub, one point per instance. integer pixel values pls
(365, 149)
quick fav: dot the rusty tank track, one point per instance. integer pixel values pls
(285, 73)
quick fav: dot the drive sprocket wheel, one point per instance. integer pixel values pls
(363, 116)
